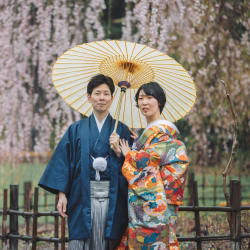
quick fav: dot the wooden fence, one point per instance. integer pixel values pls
(209, 190)
(233, 212)
(210, 193)
(10, 234)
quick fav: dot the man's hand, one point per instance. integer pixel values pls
(114, 143)
(62, 204)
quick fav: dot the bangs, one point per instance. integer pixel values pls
(148, 90)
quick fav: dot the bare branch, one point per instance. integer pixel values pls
(228, 167)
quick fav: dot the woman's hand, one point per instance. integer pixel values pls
(114, 143)
(124, 146)
(62, 204)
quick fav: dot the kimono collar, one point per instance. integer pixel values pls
(161, 123)
(100, 124)
(156, 128)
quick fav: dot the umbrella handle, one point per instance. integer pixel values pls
(123, 91)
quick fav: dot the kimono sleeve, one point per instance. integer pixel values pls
(137, 161)
(57, 173)
(173, 172)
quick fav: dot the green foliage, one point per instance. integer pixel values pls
(111, 18)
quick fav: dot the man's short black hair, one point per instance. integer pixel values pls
(155, 90)
(97, 80)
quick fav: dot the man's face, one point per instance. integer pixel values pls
(101, 98)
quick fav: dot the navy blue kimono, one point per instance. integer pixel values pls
(69, 171)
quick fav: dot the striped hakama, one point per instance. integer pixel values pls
(99, 208)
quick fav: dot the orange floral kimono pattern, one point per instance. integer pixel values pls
(155, 170)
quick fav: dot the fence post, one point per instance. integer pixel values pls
(27, 207)
(27, 203)
(35, 212)
(13, 218)
(235, 200)
(56, 224)
(197, 214)
(4, 221)
(190, 188)
(63, 233)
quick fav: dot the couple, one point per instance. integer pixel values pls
(99, 189)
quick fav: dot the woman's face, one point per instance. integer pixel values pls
(148, 105)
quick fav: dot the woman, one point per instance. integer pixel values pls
(155, 169)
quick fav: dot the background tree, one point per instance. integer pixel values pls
(210, 38)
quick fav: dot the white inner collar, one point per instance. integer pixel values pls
(100, 124)
(159, 122)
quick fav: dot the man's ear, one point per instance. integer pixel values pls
(88, 96)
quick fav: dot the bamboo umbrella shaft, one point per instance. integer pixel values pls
(123, 91)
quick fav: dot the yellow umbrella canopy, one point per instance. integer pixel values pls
(123, 61)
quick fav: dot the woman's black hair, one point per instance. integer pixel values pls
(99, 80)
(155, 90)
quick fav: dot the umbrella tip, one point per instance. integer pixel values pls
(124, 84)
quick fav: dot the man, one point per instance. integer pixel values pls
(85, 170)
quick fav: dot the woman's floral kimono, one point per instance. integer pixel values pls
(155, 170)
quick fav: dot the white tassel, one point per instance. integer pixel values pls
(99, 164)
